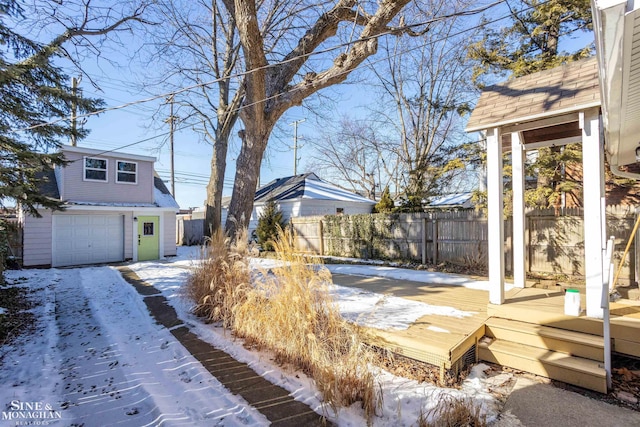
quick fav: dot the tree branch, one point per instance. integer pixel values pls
(343, 64)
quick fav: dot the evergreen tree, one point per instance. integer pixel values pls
(532, 42)
(270, 223)
(385, 205)
(33, 94)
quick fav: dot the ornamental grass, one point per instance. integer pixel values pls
(289, 311)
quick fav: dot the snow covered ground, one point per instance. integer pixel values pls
(97, 358)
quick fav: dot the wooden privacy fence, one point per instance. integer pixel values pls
(189, 231)
(554, 240)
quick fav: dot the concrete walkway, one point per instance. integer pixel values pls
(533, 404)
(274, 402)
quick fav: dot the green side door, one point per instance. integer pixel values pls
(148, 238)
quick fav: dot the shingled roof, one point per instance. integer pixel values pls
(568, 88)
(305, 186)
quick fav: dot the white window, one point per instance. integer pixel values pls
(95, 169)
(126, 172)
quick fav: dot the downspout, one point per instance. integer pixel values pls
(615, 169)
(606, 325)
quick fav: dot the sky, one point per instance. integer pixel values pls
(118, 364)
(140, 128)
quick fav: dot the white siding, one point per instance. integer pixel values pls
(128, 235)
(311, 207)
(37, 239)
(330, 207)
(74, 187)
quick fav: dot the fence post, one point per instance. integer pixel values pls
(321, 234)
(424, 240)
(434, 239)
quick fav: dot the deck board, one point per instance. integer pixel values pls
(431, 338)
(546, 307)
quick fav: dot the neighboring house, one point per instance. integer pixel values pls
(308, 195)
(116, 209)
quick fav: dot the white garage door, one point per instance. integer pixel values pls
(87, 239)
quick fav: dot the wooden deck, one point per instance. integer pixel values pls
(439, 340)
(529, 331)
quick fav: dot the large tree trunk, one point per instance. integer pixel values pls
(270, 91)
(213, 204)
(254, 142)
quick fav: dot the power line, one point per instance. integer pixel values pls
(132, 103)
(242, 74)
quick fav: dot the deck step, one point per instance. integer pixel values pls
(559, 366)
(549, 338)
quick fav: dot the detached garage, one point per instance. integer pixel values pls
(115, 208)
(87, 239)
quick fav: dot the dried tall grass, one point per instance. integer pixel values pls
(222, 280)
(290, 312)
(453, 412)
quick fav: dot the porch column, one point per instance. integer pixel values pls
(495, 216)
(594, 204)
(517, 163)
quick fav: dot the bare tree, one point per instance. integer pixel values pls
(80, 28)
(356, 155)
(275, 83)
(197, 47)
(428, 81)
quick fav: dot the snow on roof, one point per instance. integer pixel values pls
(306, 186)
(161, 194)
(454, 199)
(317, 189)
(163, 200)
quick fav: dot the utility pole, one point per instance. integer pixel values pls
(74, 111)
(295, 145)
(170, 120)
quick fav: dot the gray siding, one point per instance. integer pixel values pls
(37, 239)
(169, 243)
(73, 186)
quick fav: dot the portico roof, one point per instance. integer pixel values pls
(544, 106)
(562, 90)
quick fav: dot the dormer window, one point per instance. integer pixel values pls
(95, 169)
(126, 172)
